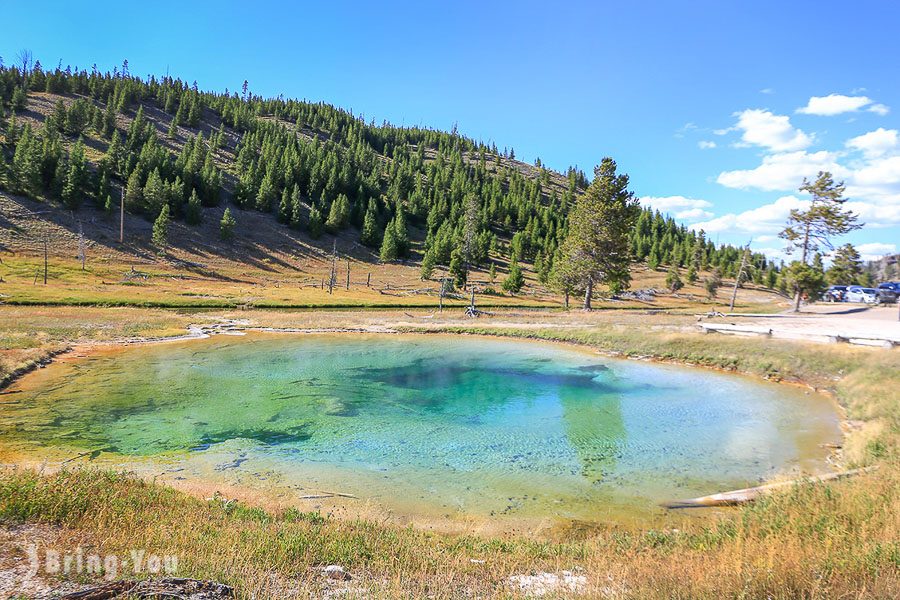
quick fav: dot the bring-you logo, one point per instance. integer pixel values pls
(137, 561)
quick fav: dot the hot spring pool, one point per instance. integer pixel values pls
(449, 425)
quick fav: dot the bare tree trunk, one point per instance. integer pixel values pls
(802, 260)
(348, 273)
(45, 261)
(122, 217)
(588, 293)
(737, 280)
(567, 299)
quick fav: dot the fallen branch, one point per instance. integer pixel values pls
(174, 587)
(325, 494)
(749, 494)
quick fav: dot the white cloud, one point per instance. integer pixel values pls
(875, 250)
(874, 143)
(836, 104)
(706, 144)
(686, 209)
(879, 109)
(775, 132)
(725, 131)
(765, 219)
(782, 171)
(767, 91)
(875, 216)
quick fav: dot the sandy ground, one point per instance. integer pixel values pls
(820, 321)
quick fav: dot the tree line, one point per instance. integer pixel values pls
(322, 170)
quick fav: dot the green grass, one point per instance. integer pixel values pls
(835, 540)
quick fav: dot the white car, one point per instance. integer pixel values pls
(856, 293)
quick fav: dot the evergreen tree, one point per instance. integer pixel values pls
(458, 270)
(428, 265)
(597, 247)
(266, 195)
(134, 193)
(390, 249)
(713, 283)
(846, 268)
(653, 259)
(296, 208)
(26, 166)
(807, 280)
(673, 280)
(339, 214)
(285, 207)
(515, 280)
(161, 230)
(692, 274)
(194, 214)
(315, 226)
(155, 194)
(401, 235)
(369, 235)
(76, 177)
(811, 229)
(492, 273)
(227, 225)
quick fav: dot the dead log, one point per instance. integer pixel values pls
(749, 494)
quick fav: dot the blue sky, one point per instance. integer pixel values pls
(716, 109)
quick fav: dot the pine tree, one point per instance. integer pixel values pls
(161, 230)
(811, 229)
(369, 235)
(25, 166)
(315, 226)
(807, 280)
(458, 268)
(428, 264)
(339, 214)
(390, 249)
(673, 280)
(296, 207)
(76, 177)
(692, 274)
(401, 235)
(227, 225)
(155, 194)
(194, 214)
(285, 207)
(597, 248)
(266, 195)
(713, 283)
(492, 273)
(846, 268)
(134, 194)
(653, 259)
(515, 280)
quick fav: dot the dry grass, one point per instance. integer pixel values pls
(838, 540)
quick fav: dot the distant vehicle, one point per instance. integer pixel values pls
(856, 293)
(835, 293)
(888, 292)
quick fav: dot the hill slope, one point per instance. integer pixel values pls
(302, 180)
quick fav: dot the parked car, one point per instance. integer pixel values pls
(888, 292)
(857, 293)
(835, 293)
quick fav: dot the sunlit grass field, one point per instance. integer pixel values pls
(836, 540)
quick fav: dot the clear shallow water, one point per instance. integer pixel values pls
(449, 425)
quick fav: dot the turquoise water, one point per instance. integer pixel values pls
(450, 425)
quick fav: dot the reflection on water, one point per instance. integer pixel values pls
(462, 424)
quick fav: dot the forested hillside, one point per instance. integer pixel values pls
(73, 137)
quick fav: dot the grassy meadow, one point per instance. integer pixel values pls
(838, 540)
